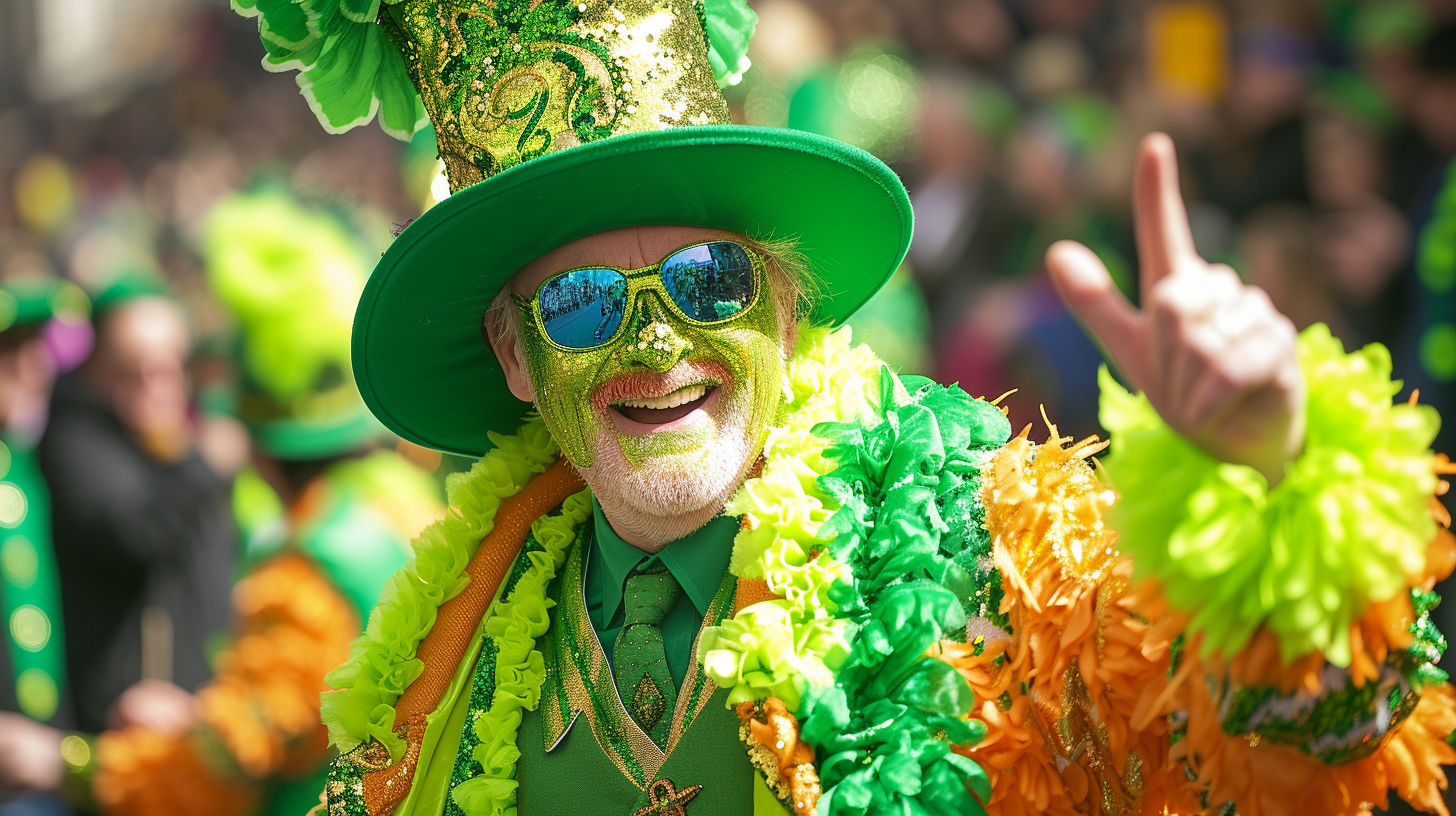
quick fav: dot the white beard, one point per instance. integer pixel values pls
(668, 497)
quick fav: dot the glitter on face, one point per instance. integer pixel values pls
(739, 363)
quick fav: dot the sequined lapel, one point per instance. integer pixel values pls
(579, 679)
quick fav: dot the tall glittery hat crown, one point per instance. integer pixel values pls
(558, 120)
(507, 81)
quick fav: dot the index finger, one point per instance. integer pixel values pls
(1165, 243)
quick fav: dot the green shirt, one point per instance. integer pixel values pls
(697, 562)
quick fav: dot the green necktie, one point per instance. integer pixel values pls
(639, 660)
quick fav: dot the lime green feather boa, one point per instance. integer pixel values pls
(774, 647)
(1348, 526)
(382, 661)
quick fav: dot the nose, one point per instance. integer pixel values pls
(651, 340)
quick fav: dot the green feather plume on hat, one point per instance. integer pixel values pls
(349, 70)
(292, 277)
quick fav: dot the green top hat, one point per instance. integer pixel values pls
(557, 120)
(292, 277)
(128, 285)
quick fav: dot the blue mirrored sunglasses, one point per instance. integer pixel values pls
(705, 284)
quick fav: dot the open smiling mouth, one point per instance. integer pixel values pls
(667, 408)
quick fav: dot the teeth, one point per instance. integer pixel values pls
(682, 396)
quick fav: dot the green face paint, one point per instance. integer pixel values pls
(743, 357)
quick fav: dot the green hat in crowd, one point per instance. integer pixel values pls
(292, 277)
(557, 120)
(129, 285)
(30, 301)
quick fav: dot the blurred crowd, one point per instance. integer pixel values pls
(147, 164)
(1315, 140)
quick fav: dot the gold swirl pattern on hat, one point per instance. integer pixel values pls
(507, 82)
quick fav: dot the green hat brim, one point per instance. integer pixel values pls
(420, 361)
(301, 440)
(128, 287)
(29, 302)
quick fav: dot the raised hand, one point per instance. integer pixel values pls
(1215, 358)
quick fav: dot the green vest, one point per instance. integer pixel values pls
(578, 775)
(581, 752)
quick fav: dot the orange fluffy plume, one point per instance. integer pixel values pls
(1264, 779)
(261, 708)
(1059, 694)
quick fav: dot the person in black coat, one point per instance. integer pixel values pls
(143, 531)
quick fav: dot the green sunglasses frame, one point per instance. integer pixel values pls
(639, 280)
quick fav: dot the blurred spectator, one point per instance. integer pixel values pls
(1053, 168)
(143, 534)
(1387, 37)
(1426, 355)
(33, 688)
(1258, 157)
(977, 31)
(1277, 244)
(343, 513)
(1361, 241)
(1435, 101)
(963, 212)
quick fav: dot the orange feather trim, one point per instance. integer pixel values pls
(1060, 694)
(1275, 780)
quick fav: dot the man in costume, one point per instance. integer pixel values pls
(291, 276)
(736, 566)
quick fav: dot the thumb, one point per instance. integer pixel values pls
(1088, 290)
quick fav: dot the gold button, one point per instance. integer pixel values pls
(20, 561)
(12, 505)
(37, 694)
(30, 628)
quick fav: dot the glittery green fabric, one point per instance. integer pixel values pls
(1420, 659)
(355, 59)
(1342, 723)
(505, 81)
(345, 785)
